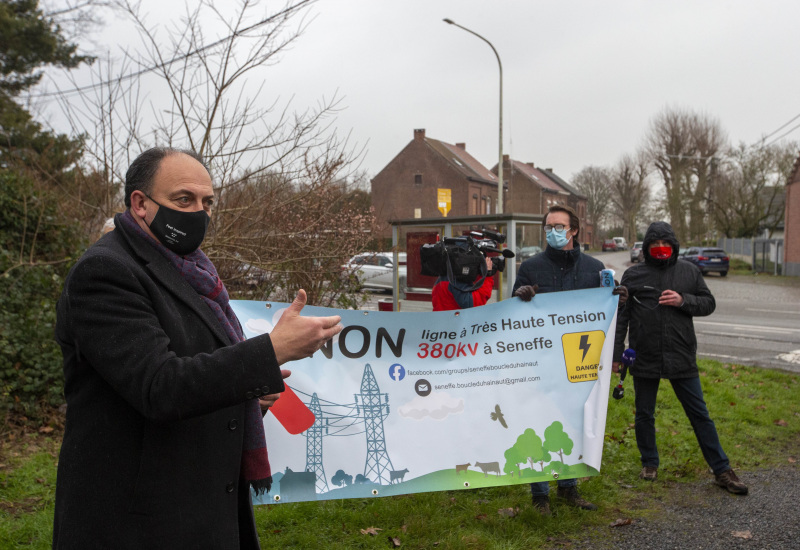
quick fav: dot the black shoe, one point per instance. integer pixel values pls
(571, 496)
(541, 504)
(649, 473)
(731, 482)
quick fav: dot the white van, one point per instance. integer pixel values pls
(621, 244)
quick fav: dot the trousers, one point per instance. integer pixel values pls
(690, 394)
(542, 488)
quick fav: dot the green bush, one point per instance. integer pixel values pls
(36, 251)
(740, 266)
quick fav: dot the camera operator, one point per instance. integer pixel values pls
(464, 271)
(448, 294)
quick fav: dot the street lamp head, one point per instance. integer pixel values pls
(448, 21)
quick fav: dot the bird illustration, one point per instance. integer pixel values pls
(497, 415)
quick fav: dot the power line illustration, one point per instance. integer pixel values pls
(314, 446)
(370, 408)
(378, 462)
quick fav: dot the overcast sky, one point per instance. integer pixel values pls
(581, 79)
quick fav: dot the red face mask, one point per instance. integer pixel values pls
(661, 252)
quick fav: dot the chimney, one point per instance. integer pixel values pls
(549, 169)
(419, 134)
(505, 158)
(462, 146)
(530, 164)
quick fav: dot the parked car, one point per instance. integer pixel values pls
(708, 259)
(375, 270)
(637, 254)
(527, 252)
(609, 245)
(622, 244)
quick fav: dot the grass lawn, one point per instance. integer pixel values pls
(756, 411)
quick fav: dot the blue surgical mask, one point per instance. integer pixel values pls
(557, 239)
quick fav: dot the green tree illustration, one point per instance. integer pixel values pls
(514, 457)
(537, 451)
(528, 448)
(556, 440)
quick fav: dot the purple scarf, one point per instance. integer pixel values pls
(197, 270)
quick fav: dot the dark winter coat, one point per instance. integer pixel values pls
(662, 336)
(155, 408)
(555, 270)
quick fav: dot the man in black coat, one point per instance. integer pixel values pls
(164, 438)
(665, 295)
(560, 266)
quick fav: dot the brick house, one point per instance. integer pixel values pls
(408, 186)
(533, 190)
(791, 227)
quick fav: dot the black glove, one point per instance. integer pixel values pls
(621, 291)
(527, 292)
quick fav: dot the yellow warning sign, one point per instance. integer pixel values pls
(443, 201)
(582, 354)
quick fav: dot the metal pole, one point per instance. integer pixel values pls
(499, 206)
(396, 270)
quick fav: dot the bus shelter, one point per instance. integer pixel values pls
(524, 236)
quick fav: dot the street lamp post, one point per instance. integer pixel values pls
(500, 140)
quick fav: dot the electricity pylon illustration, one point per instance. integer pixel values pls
(378, 464)
(314, 446)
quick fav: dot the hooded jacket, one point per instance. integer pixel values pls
(662, 336)
(555, 270)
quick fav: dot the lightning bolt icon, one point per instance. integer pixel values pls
(585, 345)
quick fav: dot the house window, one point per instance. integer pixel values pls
(417, 179)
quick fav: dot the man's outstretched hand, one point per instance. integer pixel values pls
(526, 292)
(296, 337)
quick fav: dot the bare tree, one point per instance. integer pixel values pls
(594, 182)
(682, 146)
(751, 184)
(278, 173)
(630, 191)
(710, 143)
(76, 18)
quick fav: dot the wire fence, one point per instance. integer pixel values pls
(765, 255)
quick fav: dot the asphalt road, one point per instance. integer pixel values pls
(757, 320)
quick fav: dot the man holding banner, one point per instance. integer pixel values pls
(561, 266)
(164, 434)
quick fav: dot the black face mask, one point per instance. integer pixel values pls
(181, 232)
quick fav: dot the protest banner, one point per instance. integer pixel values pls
(398, 403)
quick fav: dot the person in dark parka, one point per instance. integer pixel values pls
(163, 437)
(665, 294)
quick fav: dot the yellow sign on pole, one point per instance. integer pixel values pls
(443, 201)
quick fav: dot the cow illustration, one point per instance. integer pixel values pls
(488, 467)
(462, 467)
(398, 475)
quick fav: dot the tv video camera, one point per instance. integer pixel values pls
(464, 258)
